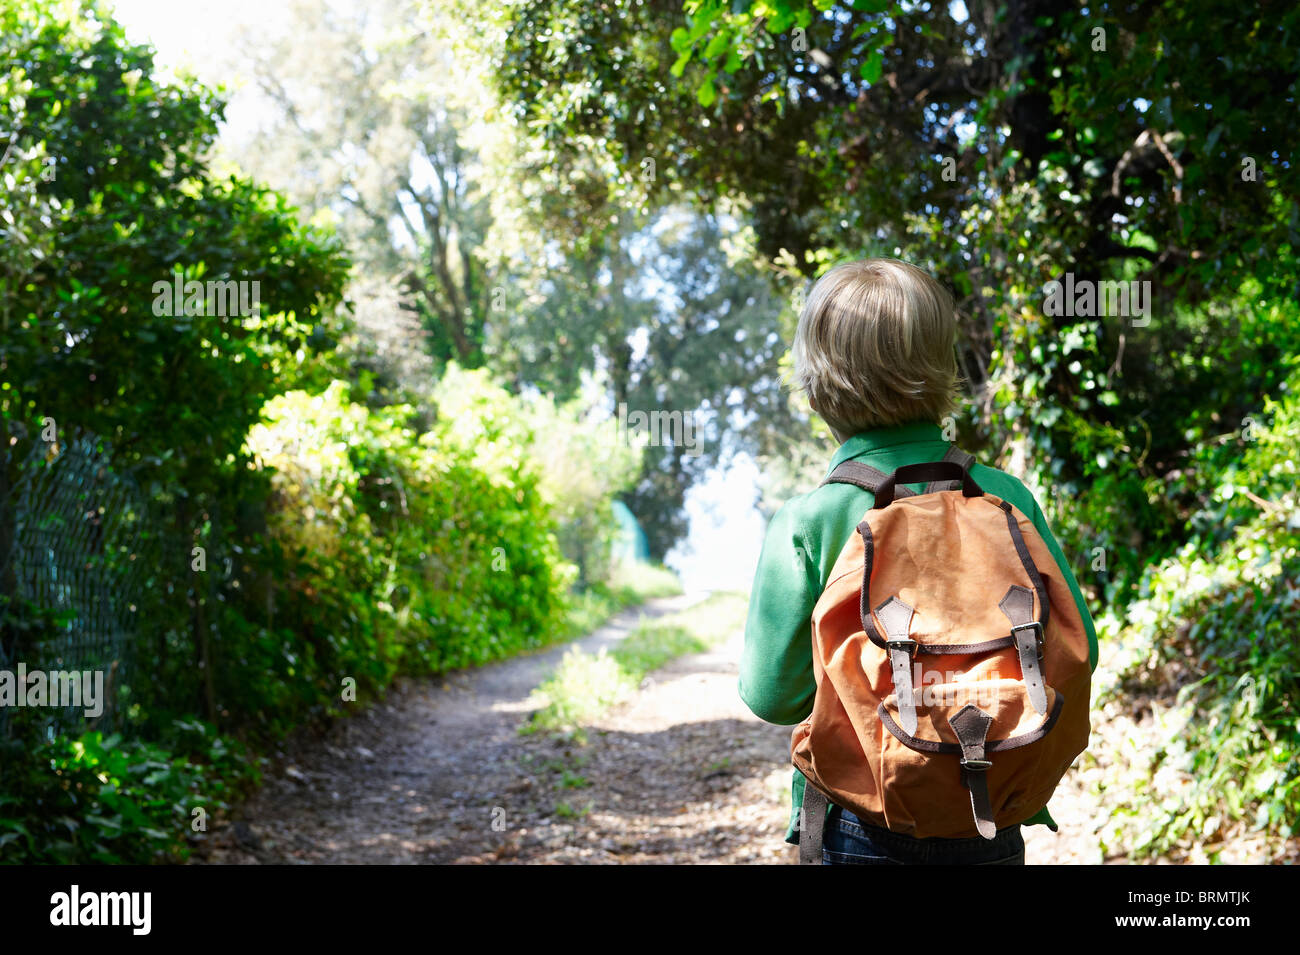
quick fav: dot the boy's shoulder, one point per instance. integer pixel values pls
(1006, 486)
(812, 505)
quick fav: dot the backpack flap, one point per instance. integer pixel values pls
(975, 726)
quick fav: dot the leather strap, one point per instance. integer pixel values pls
(812, 823)
(971, 724)
(928, 471)
(1018, 605)
(862, 475)
(896, 617)
(869, 478)
(1027, 559)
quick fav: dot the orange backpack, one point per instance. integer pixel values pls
(951, 662)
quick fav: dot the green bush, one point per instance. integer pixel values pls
(401, 551)
(102, 800)
(1210, 647)
(580, 463)
(358, 548)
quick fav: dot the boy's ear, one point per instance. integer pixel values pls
(812, 403)
(841, 433)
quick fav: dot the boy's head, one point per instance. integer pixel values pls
(875, 347)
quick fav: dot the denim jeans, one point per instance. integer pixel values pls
(849, 841)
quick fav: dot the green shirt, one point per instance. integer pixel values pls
(802, 544)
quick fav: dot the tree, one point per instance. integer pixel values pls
(96, 340)
(688, 337)
(366, 129)
(89, 339)
(1002, 146)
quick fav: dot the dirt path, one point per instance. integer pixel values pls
(681, 773)
(439, 773)
(1079, 817)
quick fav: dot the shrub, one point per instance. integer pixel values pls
(1209, 647)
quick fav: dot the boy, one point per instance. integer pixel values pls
(875, 353)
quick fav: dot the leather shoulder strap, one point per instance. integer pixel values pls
(861, 475)
(869, 478)
(812, 825)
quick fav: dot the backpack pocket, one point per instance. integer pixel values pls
(927, 774)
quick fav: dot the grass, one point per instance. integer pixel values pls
(566, 811)
(631, 584)
(572, 780)
(646, 580)
(586, 685)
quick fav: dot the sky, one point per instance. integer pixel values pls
(726, 529)
(187, 30)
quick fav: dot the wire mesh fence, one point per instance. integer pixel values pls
(75, 555)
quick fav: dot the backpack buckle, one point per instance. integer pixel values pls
(908, 645)
(1038, 633)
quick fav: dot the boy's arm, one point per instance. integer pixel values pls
(1040, 522)
(776, 669)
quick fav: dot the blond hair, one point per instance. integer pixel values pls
(875, 346)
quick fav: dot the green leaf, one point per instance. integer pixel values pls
(717, 45)
(780, 23)
(871, 68)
